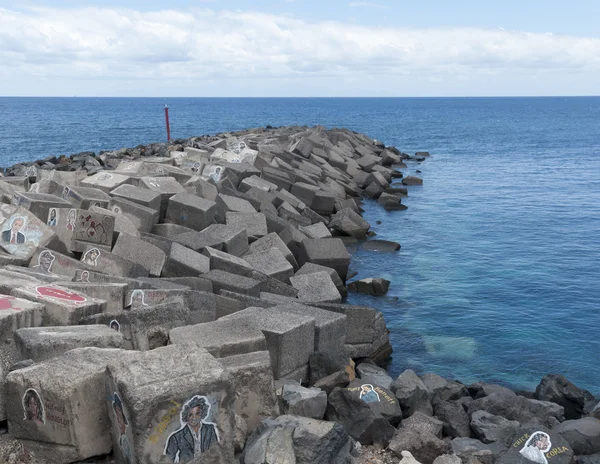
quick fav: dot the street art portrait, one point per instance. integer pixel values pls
(536, 447)
(368, 394)
(104, 177)
(65, 193)
(196, 435)
(122, 423)
(114, 324)
(52, 218)
(13, 234)
(45, 260)
(90, 257)
(84, 277)
(33, 407)
(71, 218)
(137, 299)
(34, 188)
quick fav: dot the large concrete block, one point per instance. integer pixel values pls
(57, 409)
(182, 262)
(142, 196)
(106, 181)
(49, 261)
(39, 204)
(62, 305)
(166, 186)
(316, 287)
(360, 322)
(225, 203)
(122, 223)
(109, 263)
(22, 232)
(219, 260)
(163, 399)
(85, 197)
(255, 224)
(112, 293)
(270, 241)
(139, 251)
(236, 283)
(43, 343)
(271, 263)
(223, 337)
(142, 217)
(190, 211)
(252, 378)
(290, 340)
(77, 228)
(327, 252)
(232, 240)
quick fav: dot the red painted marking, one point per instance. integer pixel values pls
(6, 303)
(59, 293)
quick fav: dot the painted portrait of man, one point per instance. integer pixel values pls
(368, 394)
(536, 447)
(196, 434)
(45, 260)
(13, 234)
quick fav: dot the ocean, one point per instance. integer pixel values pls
(498, 278)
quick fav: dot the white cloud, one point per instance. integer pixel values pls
(201, 44)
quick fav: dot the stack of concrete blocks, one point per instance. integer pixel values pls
(160, 288)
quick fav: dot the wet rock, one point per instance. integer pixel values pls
(370, 286)
(456, 420)
(380, 245)
(412, 180)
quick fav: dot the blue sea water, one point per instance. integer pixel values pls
(498, 278)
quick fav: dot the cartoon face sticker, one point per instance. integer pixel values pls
(33, 407)
(196, 434)
(45, 260)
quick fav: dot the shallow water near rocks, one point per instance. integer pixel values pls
(498, 275)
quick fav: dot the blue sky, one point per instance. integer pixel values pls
(299, 48)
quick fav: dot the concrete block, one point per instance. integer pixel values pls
(360, 322)
(270, 241)
(49, 261)
(182, 262)
(39, 204)
(225, 203)
(22, 232)
(222, 280)
(109, 263)
(223, 337)
(112, 293)
(327, 252)
(222, 261)
(271, 263)
(201, 305)
(62, 305)
(252, 378)
(162, 400)
(198, 186)
(166, 186)
(106, 181)
(43, 343)
(169, 230)
(147, 255)
(85, 197)
(232, 240)
(76, 228)
(190, 211)
(122, 223)
(141, 216)
(317, 230)
(57, 409)
(316, 287)
(255, 224)
(290, 340)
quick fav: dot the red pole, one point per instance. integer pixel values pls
(167, 120)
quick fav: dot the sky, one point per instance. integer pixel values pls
(299, 48)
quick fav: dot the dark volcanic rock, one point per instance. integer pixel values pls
(424, 446)
(371, 286)
(412, 180)
(358, 419)
(456, 420)
(582, 434)
(380, 400)
(558, 389)
(380, 245)
(537, 444)
(490, 428)
(412, 394)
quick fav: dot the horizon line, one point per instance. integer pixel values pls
(298, 97)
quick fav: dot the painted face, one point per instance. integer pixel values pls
(194, 416)
(366, 389)
(52, 214)
(33, 407)
(17, 224)
(543, 443)
(46, 260)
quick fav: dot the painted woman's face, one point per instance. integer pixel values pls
(33, 407)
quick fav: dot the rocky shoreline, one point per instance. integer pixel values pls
(184, 302)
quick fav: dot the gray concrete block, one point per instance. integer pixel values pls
(227, 281)
(190, 211)
(169, 230)
(155, 387)
(316, 287)
(316, 230)
(49, 261)
(22, 232)
(232, 240)
(39, 204)
(142, 196)
(255, 224)
(270, 241)
(252, 378)
(290, 340)
(147, 255)
(106, 181)
(222, 261)
(141, 216)
(327, 252)
(182, 262)
(271, 263)
(43, 343)
(166, 186)
(109, 263)
(225, 203)
(360, 322)
(112, 293)
(221, 338)
(57, 409)
(62, 305)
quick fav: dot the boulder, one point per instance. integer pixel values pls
(582, 434)
(557, 389)
(190, 211)
(490, 428)
(380, 400)
(305, 402)
(412, 180)
(442, 389)
(348, 222)
(592, 459)
(456, 420)
(359, 420)
(370, 373)
(469, 448)
(523, 410)
(424, 446)
(412, 394)
(329, 252)
(272, 444)
(371, 286)
(537, 444)
(447, 459)
(423, 423)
